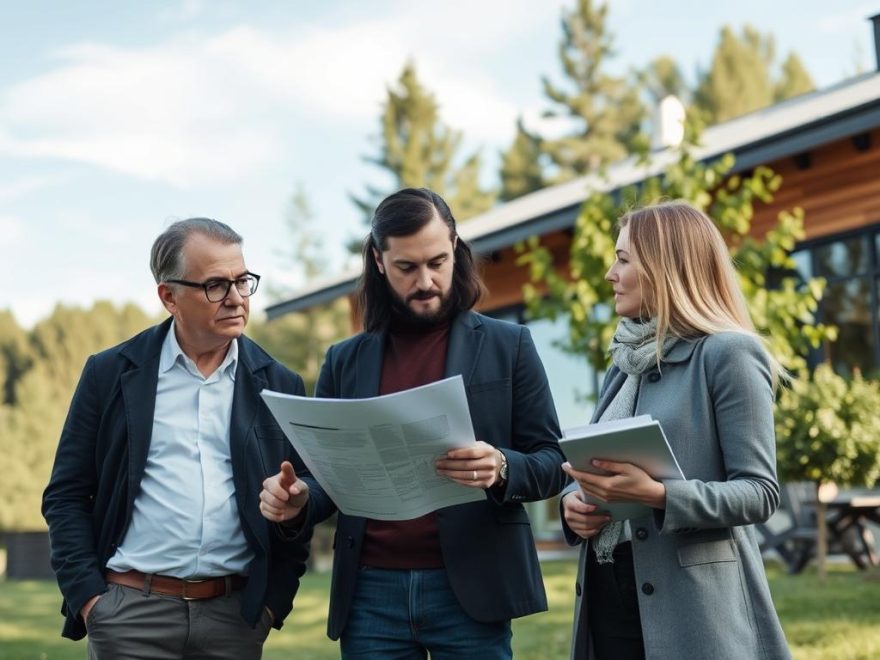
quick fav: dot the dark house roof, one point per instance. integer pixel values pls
(786, 129)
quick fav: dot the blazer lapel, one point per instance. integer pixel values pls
(138, 387)
(465, 344)
(139, 395)
(249, 382)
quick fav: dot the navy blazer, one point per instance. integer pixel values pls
(487, 547)
(101, 458)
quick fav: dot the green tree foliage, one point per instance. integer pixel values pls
(15, 357)
(521, 170)
(738, 80)
(578, 290)
(417, 150)
(604, 110)
(794, 79)
(42, 375)
(828, 429)
(742, 76)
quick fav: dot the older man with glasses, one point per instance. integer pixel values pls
(157, 540)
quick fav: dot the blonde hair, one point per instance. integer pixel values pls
(684, 265)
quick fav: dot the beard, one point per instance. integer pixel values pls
(403, 313)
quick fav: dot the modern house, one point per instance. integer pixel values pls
(826, 147)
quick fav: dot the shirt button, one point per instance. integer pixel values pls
(647, 588)
(641, 533)
(653, 377)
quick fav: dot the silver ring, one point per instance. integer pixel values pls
(475, 476)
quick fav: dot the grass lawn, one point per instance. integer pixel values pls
(838, 621)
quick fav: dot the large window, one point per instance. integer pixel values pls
(851, 265)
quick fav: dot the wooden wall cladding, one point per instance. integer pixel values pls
(837, 186)
(838, 190)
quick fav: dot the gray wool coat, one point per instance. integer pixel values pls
(701, 584)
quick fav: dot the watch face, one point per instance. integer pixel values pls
(503, 471)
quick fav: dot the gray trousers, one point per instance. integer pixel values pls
(127, 623)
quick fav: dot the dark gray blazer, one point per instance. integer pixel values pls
(488, 549)
(702, 588)
(103, 452)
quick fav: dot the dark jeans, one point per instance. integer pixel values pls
(404, 614)
(127, 623)
(613, 607)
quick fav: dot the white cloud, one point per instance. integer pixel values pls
(202, 109)
(159, 114)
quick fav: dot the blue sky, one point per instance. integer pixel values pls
(117, 116)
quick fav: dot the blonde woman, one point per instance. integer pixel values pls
(687, 581)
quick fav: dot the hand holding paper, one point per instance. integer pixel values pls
(475, 466)
(620, 465)
(582, 517)
(624, 482)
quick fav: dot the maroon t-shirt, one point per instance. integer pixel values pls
(413, 357)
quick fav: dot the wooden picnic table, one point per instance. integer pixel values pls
(848, 513)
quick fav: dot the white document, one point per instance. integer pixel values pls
(375, 457)
(637, 440)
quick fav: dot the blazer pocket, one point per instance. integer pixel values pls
(707, 551)
(271, 446)
(270, 432)
(489, 385)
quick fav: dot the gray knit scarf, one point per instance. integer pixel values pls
(633, 350)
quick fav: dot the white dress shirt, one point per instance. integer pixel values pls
(185, 521)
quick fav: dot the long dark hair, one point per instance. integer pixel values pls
(403, 214)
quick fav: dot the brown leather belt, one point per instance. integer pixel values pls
(171, 586)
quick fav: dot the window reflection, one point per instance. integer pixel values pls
(850, 265)
(847, 305)
(843, 258)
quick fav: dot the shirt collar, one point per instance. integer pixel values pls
(172, 353)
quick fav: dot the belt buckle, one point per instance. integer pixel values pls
(183, 591)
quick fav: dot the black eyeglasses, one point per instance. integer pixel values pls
(217, 289)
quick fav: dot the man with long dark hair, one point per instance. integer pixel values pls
(448, 582)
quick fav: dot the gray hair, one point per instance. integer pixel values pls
(166, 256)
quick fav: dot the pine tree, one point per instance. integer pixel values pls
(299, 339)
(417, 150)
(738, 80)
(606, 111)
(743, 76)
(794, 79)
(661, 78)
(521, 171)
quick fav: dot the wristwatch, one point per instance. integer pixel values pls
(502, 472)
